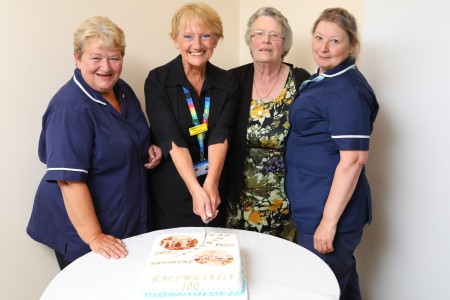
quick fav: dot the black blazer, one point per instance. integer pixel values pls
(237, 151)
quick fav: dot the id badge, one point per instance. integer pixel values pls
(198, 129)
(201, 168)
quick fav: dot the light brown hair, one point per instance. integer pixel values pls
(346, 21)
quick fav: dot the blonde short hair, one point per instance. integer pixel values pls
(204, 14)
(109, 34)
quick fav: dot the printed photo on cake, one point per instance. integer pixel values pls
(178, 242)
(213, 258)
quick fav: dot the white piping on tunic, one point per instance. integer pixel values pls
(339, 73)
(87, 94)
(350, 136)
(67, 169)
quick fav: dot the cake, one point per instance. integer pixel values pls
(191, 266)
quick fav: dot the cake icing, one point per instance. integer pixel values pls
(183, 266)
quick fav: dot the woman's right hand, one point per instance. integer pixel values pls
(202, 204)
(108, 246)
(154, 157)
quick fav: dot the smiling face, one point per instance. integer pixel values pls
(196, 44)
(330, 46)
(263, 47)
(100, 67)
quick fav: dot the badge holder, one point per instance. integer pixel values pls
(201, 168)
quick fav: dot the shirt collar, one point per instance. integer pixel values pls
(79, 81)
(347, 64)
(178, 77)
(90, 92)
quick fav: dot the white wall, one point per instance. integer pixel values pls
(404, 253)
(36, 52)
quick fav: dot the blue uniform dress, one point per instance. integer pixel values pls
(85, 139)
(332, 114)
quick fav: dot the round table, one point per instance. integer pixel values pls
(275, 269)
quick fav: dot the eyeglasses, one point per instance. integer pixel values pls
(273, 36)
(190, 37)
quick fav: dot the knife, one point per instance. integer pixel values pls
(206, 227)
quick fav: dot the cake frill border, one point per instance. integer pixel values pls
(198, 293)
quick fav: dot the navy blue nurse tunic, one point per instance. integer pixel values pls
(85, 139)
(333, 114)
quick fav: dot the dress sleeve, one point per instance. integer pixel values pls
(68, 145)
(164, 125)
(350, 117)
(227, 115)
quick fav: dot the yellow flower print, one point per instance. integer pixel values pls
(258, 110)
(280, 98)
(275, 204)
(270, 142)
(248, 208)
(285, 211)
(255, 109)
(255, 218)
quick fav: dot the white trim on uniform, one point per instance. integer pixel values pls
(67, 169)
(339, 73)
(87, 94)
(350, 136)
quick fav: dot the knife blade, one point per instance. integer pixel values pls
(206, 227)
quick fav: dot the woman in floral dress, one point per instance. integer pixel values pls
(256, 197)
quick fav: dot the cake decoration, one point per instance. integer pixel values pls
(179, 267)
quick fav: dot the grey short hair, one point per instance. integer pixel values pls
(280, 18)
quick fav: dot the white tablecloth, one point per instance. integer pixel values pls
(276, 270)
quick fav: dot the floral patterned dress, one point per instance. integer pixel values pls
(263, 205)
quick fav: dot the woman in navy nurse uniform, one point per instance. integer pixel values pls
(331, 123)
(95, 143)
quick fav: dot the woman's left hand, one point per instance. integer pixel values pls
(202, 204)
(213, 192)
(344, 182)
(154, 157)
(323, 237)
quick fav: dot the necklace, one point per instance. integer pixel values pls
(270, 91)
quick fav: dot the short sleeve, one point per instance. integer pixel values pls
(163, 123)
(227, 115)
(66, 145)
(350, 119)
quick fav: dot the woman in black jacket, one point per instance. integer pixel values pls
(256, 197)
